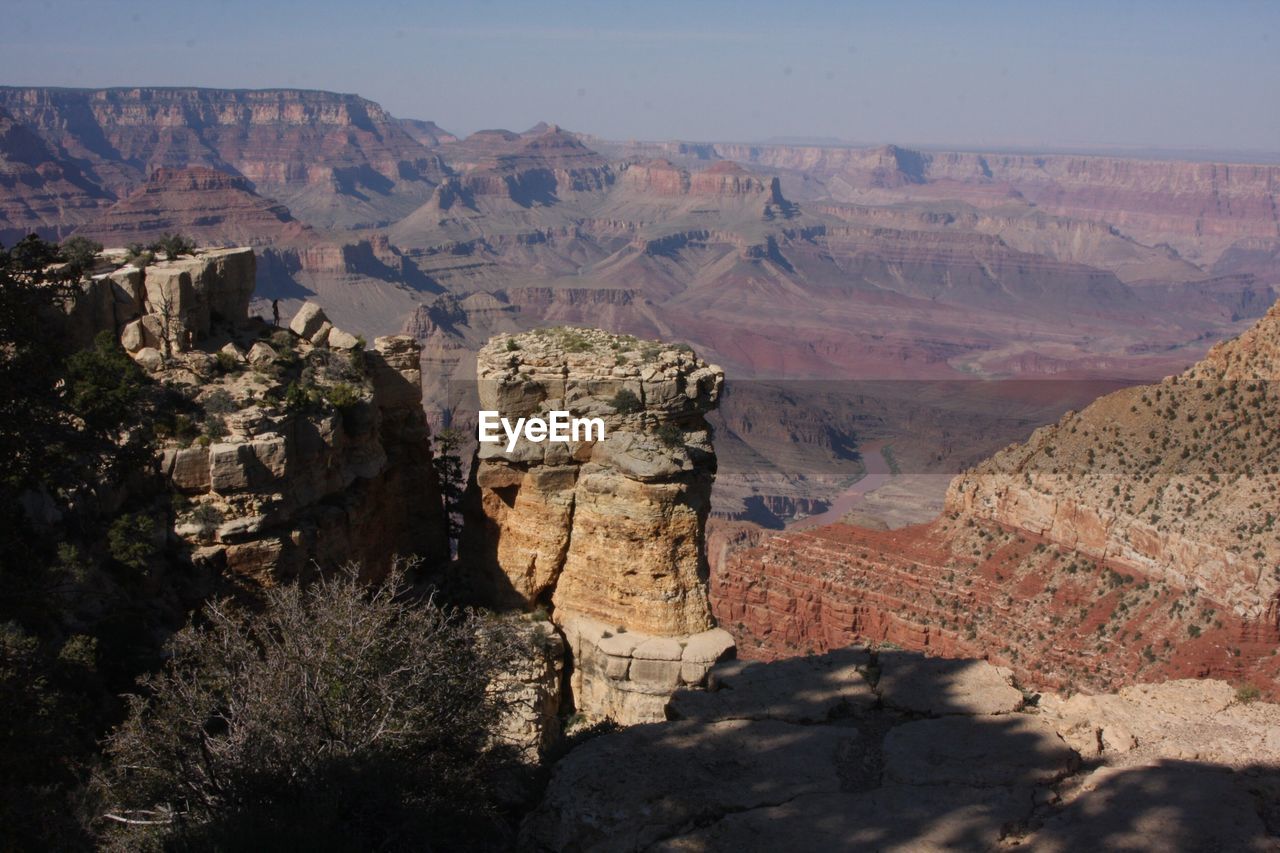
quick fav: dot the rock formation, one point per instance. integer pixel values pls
(291, 449)
(1215, 205)
(40, 191)
(608, 535)
(204, 204)
(858, 750)
(882, 263)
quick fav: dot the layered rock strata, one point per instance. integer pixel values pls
(1177, 480)
(606, 534)
(1129, 542)
(202, 203)
(169, 303)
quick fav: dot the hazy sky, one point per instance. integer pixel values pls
(1169, 74)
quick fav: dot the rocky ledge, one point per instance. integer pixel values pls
(887, 750)
(607, 535)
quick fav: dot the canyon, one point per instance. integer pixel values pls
(783, 262)
(1050, 661)
(1132, 540)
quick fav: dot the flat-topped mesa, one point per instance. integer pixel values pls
(608, 534)
(726, 178)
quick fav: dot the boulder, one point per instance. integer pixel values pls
(339, 339)
(261, 354)
(149, 359)
(321, 335)
(131, 336)
(308, 321)
(234, 351)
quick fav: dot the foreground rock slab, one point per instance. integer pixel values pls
(801, 690)
(977, 752)
(900, 818)
(938, 686)
(854, 772)
(632, 789)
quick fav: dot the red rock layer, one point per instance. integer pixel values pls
(973, 589)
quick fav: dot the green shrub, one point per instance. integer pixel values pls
(342, 396)
(335, 717)
(105, 385)
(625, 402)
(228, 363)
(670, 435)
(79, 253)
(173, 245)
(207, 516)
(219, 402)
(298, 398)
(512, 345)
(131, 540)
(215, 429)
(139, 255)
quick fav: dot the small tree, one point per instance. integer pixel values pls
(339, 717)
(447, 460)
(139, 255)
(173, 245)
(168, 321)
(79, 253)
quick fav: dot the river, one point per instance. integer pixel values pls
(877, 475)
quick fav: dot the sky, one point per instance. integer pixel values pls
(1170, 74)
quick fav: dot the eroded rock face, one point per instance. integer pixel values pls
(628, 676)
(169, 305)
(344, 475)
(608, 534)
(530, 694)
(1175, 480)
(808, 754)
(290, 454)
